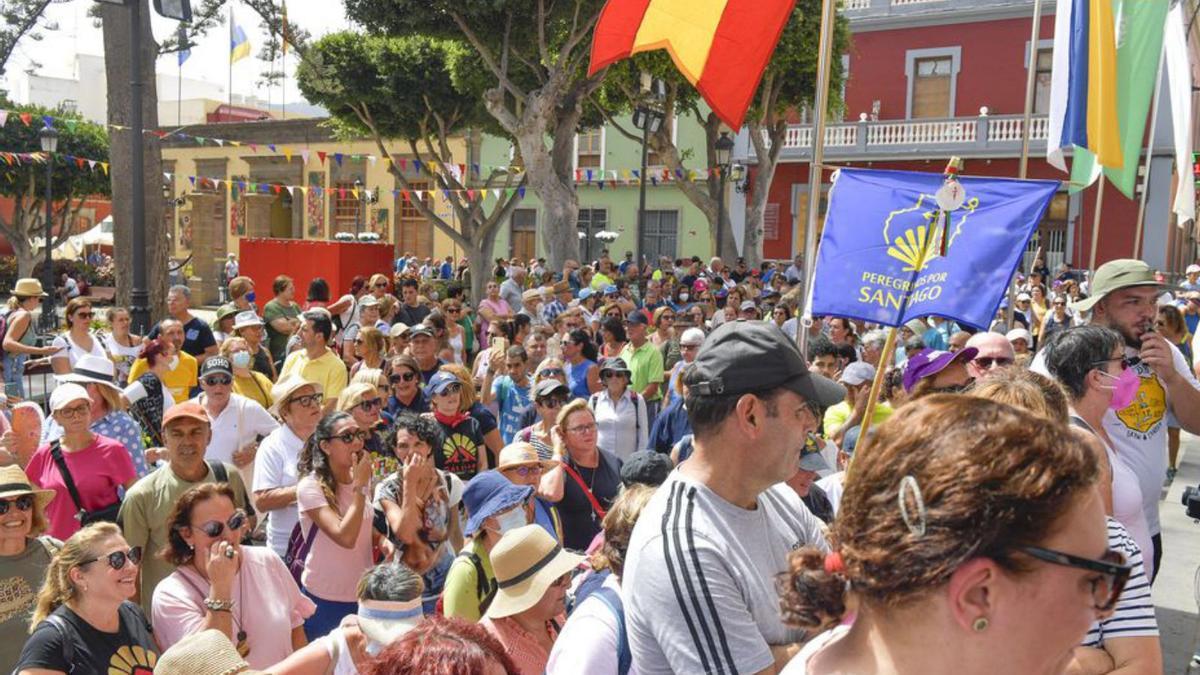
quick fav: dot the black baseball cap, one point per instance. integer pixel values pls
(646, 467)
(216, 364)
(742, 357)
(548, 386)
(637, 316)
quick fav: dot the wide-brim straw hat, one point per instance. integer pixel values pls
(522, 454)
(284, 389)
(526, 561)
(28, 288)
(14, 483)
(205, 653)
(92, 369)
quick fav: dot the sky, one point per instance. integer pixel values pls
(209, 62)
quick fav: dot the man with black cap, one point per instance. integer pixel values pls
(237, 422)
(709, 546)
(1125, 299)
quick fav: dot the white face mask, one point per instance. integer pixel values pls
(241, 359)
(507, 522)
(683, 297)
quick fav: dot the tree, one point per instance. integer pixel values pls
(24, 180)
(534, 54)
(788, 85)
(404, 88)
(20, 19)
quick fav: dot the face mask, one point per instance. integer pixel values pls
(250, 297)
(510, 521)
(173, 363)
(241, 359)
(1125, 389)
(683, 297)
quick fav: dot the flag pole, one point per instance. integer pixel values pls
(1096, 223)
(179, 97)
(1027, 121)
(229, 104)
(1141, 216)
(815, 169)
(889, 349)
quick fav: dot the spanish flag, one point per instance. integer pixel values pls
(721, 46)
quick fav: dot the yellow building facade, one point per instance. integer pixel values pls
(291, 180)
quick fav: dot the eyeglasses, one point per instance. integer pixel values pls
(23, 503)
(551, 372)
(609, 374)
(75, 410)
(350, 436)
(667, 317)
(1106, 589)
(454, 310)
(382, 284)
(218, 381)
(583, 428)
(553, 402)
(117, 559)
(1126, 361)
(83, 315)
(453, 388)
(370, 404)
(308, 400)
(214, 528)
(402, 377)
(524, 471)
(987, 362)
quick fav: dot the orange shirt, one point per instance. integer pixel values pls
(527, 654)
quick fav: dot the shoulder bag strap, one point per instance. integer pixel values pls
(614, 604)
(218, 469)
(583, 486)
(63, 629)
(61, 463)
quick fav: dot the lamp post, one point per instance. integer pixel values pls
(49, 140)
(649, 117)
(724, 148)
(358, 187)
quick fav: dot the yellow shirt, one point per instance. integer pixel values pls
(257, 387)
(179, 381)
(837, 414)
(328, 370)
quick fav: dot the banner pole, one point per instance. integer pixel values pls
(1141, 216)
(1027, 121)
(815, 168)
(889, 348)
(1096, 224)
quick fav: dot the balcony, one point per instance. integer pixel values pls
(900, 13)
(982, 136)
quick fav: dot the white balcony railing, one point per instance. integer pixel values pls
(983, 134)
(856, 4)
(913, 2)
(908, 133)
(1001, 129)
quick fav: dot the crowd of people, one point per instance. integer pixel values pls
(608, 468)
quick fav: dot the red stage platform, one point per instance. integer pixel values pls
(336, 262)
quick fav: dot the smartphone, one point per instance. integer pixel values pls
(500, 344)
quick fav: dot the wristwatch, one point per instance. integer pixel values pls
(218, 605)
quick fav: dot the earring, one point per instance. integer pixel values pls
(980, 625)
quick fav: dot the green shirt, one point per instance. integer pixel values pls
(460, 596)
(646, 367)
(144, 514)
(20, 579)
(277, 341)
(837, 414)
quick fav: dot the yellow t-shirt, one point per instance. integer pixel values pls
(257, 387)
(599, 281)
(836, 415)
(328, 370)
(179, 382)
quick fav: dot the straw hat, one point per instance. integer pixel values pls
(206, 653)
(92, 369)
(522, 454)
(284, 388)
(28, 288)
(526, 562)
(14, 483)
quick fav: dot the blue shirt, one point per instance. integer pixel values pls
(671, 425)
(419, 404)
(577, 377)
(543, 515)
(513, 402)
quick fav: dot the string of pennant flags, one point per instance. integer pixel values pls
(17, 158)
(252, 187)
(599, 177)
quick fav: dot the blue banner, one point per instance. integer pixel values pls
(885, 257)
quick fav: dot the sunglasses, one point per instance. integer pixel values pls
(218, 381)
(1126, 361)
(454, 309)
(986, 362)
(117, 559)
(450, 389)
(308, 400)
(403, 377)
(524, 471)
(1106, 589)
(551, 372)
(23, 503)
(214, 528)
(609, 374)
(370, 404)
(350, 436)
(83, 315)
(381, 285)
(553, 402)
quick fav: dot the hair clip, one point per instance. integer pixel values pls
(907, 484)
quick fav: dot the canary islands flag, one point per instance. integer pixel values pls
(721, 46)
(888, 254)
(239, 45)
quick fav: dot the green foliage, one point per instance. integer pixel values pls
(76, 136)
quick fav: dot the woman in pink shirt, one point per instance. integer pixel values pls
(245, 592)
(492, 308)
(333, 496)
(96, 465)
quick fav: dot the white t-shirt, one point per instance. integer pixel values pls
(67, 347)
(799, 663)
(122, 357)
(622, 428)
(275, 467)
(588, 641)
(239, 423)
(700, 578)
(833, 484)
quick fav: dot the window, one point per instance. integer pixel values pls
(589, 150)
(931, 88)
(347, 208)
(1051, 235)
(414, 234)
(1041, 87)
(589, 223)
(660, 231)
(523, 234)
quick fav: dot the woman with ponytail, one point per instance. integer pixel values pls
(333, 497)
(83, 621)
(968, 525)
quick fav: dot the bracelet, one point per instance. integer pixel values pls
(218, 605)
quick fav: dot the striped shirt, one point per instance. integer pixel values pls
(1134, 614)
(700, 574)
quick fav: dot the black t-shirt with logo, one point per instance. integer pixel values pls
(71, 645)
(461, 447)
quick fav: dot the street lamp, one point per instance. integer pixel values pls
(723, 148)
(49, 140)
(649, 117)
(358, 188)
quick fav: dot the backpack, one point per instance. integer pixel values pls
(612, 600)
(297, 550)
(485, 589)
(5, 315)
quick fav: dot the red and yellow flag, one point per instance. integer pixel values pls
(721, 46)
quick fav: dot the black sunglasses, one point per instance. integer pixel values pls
(218, 381)
(23, 503)
(117, 559)
(1126, 361)
(551, 372)
(403, 377)
(1106, 589)
(553, 402)
(986, 362)
(350, 436)
(214, 528)
(370, 404)
(452, 388)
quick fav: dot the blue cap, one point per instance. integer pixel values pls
(439, 382)
(585, 293)
(610, 289)
(489, 493)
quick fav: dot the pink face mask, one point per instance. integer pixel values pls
(1125, 389)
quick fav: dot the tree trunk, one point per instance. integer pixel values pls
(159, 242)
(560, 202)
(756, 206)
(26, 259)
(480, 258)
